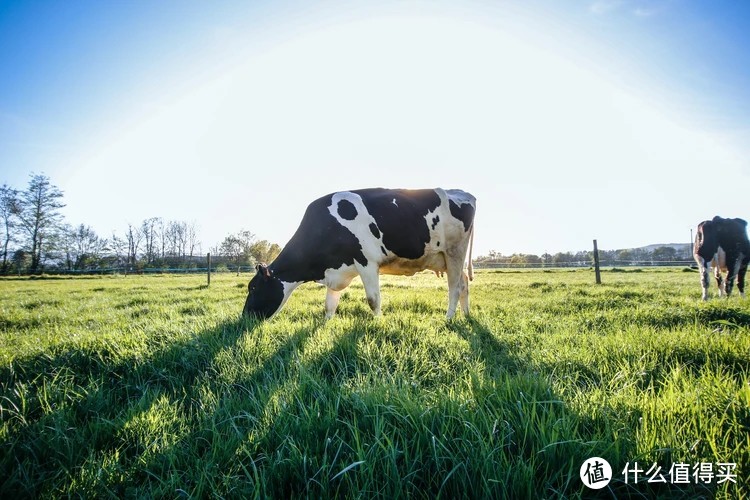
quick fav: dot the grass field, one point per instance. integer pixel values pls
(153, 387)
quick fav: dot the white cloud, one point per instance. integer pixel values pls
(601, 7)
(644, 12)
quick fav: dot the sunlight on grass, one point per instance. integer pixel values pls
(154, 386)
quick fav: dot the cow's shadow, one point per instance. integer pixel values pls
(107, 397)
(234, 420)
(513, 379)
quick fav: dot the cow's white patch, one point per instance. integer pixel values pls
(370, 275)
(332, 302)
(704, 268)
(289, 287)
(359, 226)
(394, 202)
(339, 278)
(460, 197)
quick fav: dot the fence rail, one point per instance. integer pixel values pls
(145, 270)
(221, 268)
(580, 264)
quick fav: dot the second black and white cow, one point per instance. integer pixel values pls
(366, 233)
(723, 244)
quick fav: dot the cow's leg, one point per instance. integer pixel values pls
(723, 263)
(371, 280)
(704, 267)
(332, 302)
(734, 263)
(741, 279)
(463, 295)
(457, 285)
(720, 283)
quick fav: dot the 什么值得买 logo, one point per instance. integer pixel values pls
(596, 473)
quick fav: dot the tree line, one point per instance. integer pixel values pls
(632, 256)
(37, 239)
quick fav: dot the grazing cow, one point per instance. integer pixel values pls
(722, 243)
(369, 232)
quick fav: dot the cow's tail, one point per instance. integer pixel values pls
(471, 247)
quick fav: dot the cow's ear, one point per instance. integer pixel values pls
(263, 271)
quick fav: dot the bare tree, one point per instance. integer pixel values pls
(87, 246)
(9, 210)
(66, 244)
(192, 238)
(39, 214)
(181, 238)
(149, 229)
(134, 237)
(173, 237)
(177, 238)
(161, 233)
(119, 247)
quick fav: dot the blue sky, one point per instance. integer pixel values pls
(621, 120)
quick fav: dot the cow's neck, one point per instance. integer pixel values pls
(287, 278)
(288, 289)
(286, 268)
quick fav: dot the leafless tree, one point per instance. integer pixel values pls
(119, 247)
(192, 238)
(40, 212)
(9, 211)
(87, 246)
(134, 238)
(149, 229)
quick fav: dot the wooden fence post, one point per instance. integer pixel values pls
(596, 265)
(208, 257)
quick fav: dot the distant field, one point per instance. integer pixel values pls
(153, 387)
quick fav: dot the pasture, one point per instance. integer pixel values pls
(152, 386)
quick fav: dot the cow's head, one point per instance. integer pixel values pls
(265, 294)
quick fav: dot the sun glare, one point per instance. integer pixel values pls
(382, 102)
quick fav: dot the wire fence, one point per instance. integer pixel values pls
(157, 270)
(169, 265)
(584, 264)
(221, 265)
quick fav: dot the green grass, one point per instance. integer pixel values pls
(153, 387)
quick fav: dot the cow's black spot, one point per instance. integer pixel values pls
(402, 224)
(464, 213)
(347, 210)
(435, 220)
(382, 249)
(374, 230)
(438, 243)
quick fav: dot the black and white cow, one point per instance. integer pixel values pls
(722, 243)
(366, 233)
